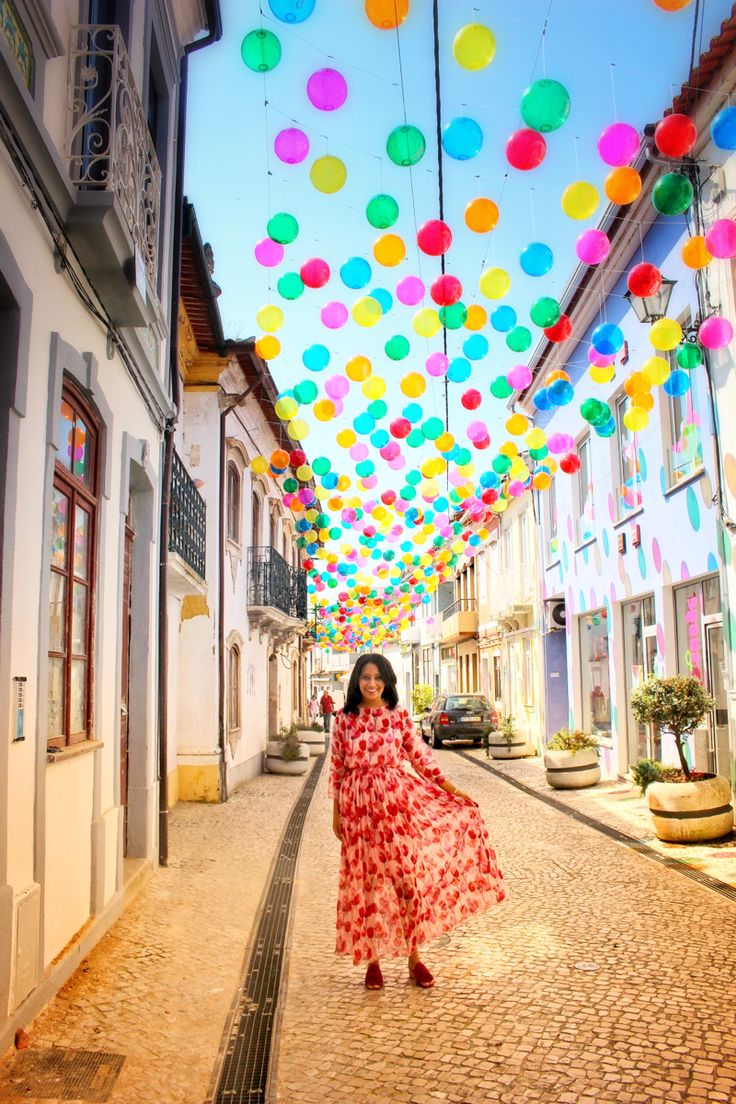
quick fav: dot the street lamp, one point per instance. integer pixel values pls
(650, 308)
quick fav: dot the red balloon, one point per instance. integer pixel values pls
(489, 496)
(525, 149)
(297, 457)
(560, 331)
(315, 272)
(307, 564)
(471, 399)
(482, 442)
(446, 290)
(434, 237)
(644, 279)
(388, 497)
(675, 136)
(400, 427)
(570, 463)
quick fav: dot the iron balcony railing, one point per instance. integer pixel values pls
(108, 144)
(463, 605)
(273, 582)
(187, 518)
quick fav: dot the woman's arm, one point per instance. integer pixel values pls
(422, 759)
(336, 825)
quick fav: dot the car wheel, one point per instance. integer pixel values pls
(435, 740)
(478, 741)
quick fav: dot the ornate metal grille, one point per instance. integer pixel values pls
(273, 582)
(188, 518)
(108, 144)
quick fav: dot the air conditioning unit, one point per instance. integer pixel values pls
(556, 616)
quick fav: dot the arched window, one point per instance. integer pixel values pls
(255, 520)
(273, 528)
(74, 509)
(233, 687)
(233, 502)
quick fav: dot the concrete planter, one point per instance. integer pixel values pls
(688, 812)
(314, 740)
(572, 770)
(500, 749)
(276, 765)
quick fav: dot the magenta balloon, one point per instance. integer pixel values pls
(327, 89)
(560, 442)
(516, 488)
(390, 451)
(269, 253)
(519, 377)
(525, 149)
(618, 144)
(592, 247)
(410, 291)
(397, 464)
(715, 332)
(436, 364)
(334, 315)
(601, 360)
(291, 146)
(337, 387)
(359, 451)
(721, 238)
(476, 431)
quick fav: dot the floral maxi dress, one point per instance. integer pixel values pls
(415, 861)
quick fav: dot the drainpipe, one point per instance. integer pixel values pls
(214, 33)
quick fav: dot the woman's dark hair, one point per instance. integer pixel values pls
(353, 696)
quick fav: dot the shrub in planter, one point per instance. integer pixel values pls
(571, 760)
(505, 742)
(285, 754)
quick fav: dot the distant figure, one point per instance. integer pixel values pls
(326, 708)
(313, 708)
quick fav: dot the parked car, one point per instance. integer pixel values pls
(458, 717)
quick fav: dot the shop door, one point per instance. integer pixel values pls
(719, 751)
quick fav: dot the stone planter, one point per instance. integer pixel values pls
(498, 748)
(276, 765)
(688, 812)
(313, 739)
(572, 770)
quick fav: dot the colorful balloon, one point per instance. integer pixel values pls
(406, 145)
(426, 322)
(592, 246)
(618, 144)
(607, 339)
(292, 11)
(525, 149)
(382, 211)
(519, 377)
(544, 312)
(269, 253)
(434, 237)
(494, 283)
(481, 215)
(327, 89)
(315, 272)
(270, 317)
(622, 186)
(386, 14)
(715, 332)
(290, 286)
(477, 317)
(446, 290)
(355, 273)
(462, 138)
(536, 259)
(675, 135)
(689, 355)
(503, 319)
(672, 5)
(316, 358)
(672, 194)
(560, 331)
(644, 279)
(474, 46)
(282, 228)
(383, 298)
(545, 105)
(665, 334)
(580, 200)
(328, 174)
(695, 252)
(291, 146)
(519, 339)
(723, 129)
(334, 315)
(720, 240)
(268, 347)
(367, 311)
(261, 51)
(436, 365)
(410, 291)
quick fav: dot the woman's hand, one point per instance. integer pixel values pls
(464, 797)
(336, 825)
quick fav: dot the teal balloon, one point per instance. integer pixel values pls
(672, 194)
(364, 423)
(501, 388)
(503, 319)
(397, 347)
(261, 51)
(382, 211)
(412, 412)
(433, 428)
(459, 370)
(321, 465)
(315, 358)
(406, 146)
(462, 138)
(536, 259)
(305, 392)
(519, 339)
(545, 312)
(415, 440)
(383, 298)
(282, 228)
(292, 11)
(378, 409)
(545, 105)
(475, 347)
(453, 316)
(290, 285)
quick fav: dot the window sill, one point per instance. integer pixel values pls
(629, 517)
(73, 751)
(684, 482)
(551, 564)
(235, 547)
(585, 544)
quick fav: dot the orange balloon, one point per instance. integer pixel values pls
(695, 253)
(477, 317)
(672, 5)
(636, 384)
(389, 250)
(645, 400)
(481, 215)
(558, 374)
(622, 185)
(386, 14)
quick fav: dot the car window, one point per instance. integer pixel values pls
(438, 702)
(467, 701)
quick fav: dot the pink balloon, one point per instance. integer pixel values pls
(715, 332)
(369, 481)
(476, 431)
(592, 247)
(337, 403)
(327, 89)
(721, 238)
(601, 360)
(291, 145)
(436, 364)
(410, 291)
(337, 387)
(516, 488)
(359, 451)
(560, 442)
(269, 253)
(334, 315)
(397, 464)
(519, 377)
(618, 144)
(390, 451)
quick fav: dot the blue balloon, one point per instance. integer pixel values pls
(607, 429)
(380, 438)
(413, 412)
(560, 392)
(723, 129)
(292, 11)
(364, 423)
(316, 357)
(463, 456)
(475, 347)
(503, 319)
(440, 504)
(383, 297)
(607, 339)
(462, 138)
(459, 370)
(489, 479)
(355, 272)
(537, 259)
(329, 481)
(542, 400)
(677, 383)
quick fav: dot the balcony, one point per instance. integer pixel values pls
(111, 159)
(187, 531)
(460, 621)
(277, 594)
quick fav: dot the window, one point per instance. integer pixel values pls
(506, 549)
(524, 538)
(255, 520)
(629, 472)
(233, 687)
(528, 673)
(73, 555)
(584, 508)
(684, 447)
(273, 530)
(553, 546)
(233, 502)
(19, 42)
(497, 684)
(482, 569)
(640, 662)
(594, 672)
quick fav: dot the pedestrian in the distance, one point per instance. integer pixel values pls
(326, 708)
(313, 707)
(416, 859)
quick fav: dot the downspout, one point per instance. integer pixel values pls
(214, 33)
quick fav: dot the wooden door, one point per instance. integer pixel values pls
(125, 653)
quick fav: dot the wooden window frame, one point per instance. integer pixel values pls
(234, 499)
(233, 687)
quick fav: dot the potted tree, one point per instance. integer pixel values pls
(285, 753)
(505, 742)
(421, 699)
(571, 760)
(686, 805)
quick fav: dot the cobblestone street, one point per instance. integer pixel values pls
(604, 977)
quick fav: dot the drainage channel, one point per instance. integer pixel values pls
(244, 1070)
(613, 833)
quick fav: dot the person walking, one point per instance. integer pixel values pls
(313, 708)
(326, 708)
(415, 858)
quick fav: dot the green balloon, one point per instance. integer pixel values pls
(291, 485)
(382, 211)
(672, 194)
(540, 453)
(595, 412)
(397, 347)
(433, 428)
(413, 477)
(290, 285)
(545, 312)
(335, 533)
(282, 228)
(453, 317)
(261, 51)
(519, 339)
(405, 145)
(408, 493)
(377, 409)
(415, 438)
(321, 465)
(501, 388)
(464, 456)
(305, 392)
(545, 105)
(689, 355)
(501, 464)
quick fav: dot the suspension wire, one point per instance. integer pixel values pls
(440, 182)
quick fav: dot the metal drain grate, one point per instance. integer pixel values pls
(613, 833)
(61, 1074)
(244, 1071)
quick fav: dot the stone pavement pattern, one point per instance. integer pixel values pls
(604, 978)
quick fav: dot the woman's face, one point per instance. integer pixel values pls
(371, 684)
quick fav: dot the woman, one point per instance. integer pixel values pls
(416, 859)
(313, 708)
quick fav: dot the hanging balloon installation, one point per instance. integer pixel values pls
(406, 145)
(525, 149)
(545, 105)
(291, 146)
(474, 46)
(261, 51)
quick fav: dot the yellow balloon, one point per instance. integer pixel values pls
(636, 419)
(343, 483)
(536, 439)
(665, 334)
(427, 469)
(500, 505)
(494, 283)
(426, 322)
(509, 448)
(541, 481)
(517, 424)
(346, 438)
(297, 429)
(602, 373)
(444, 442)
(413, 384)
(259, 465)
(270, 317)
(656, 370)
(518, 469)
(324, 410)
(286, 408)
(268, 347)
(429, 488)
(366, 311)
(389, 250)
(374, 387)
(466, 469)
(328, 174)
(304, 472)
(358, 368)
(580, 200)
(474, 46)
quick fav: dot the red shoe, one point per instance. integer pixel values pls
(421, 976)
(373, 977)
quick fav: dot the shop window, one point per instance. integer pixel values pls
(640, 658)
(629, 472)
(528, 673)
(684, 446)
(233, 502)
(701, 652)
(233, 687)
(595, 672)
(584, 505)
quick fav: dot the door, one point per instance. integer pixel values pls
(125, 680)
(718, 720)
